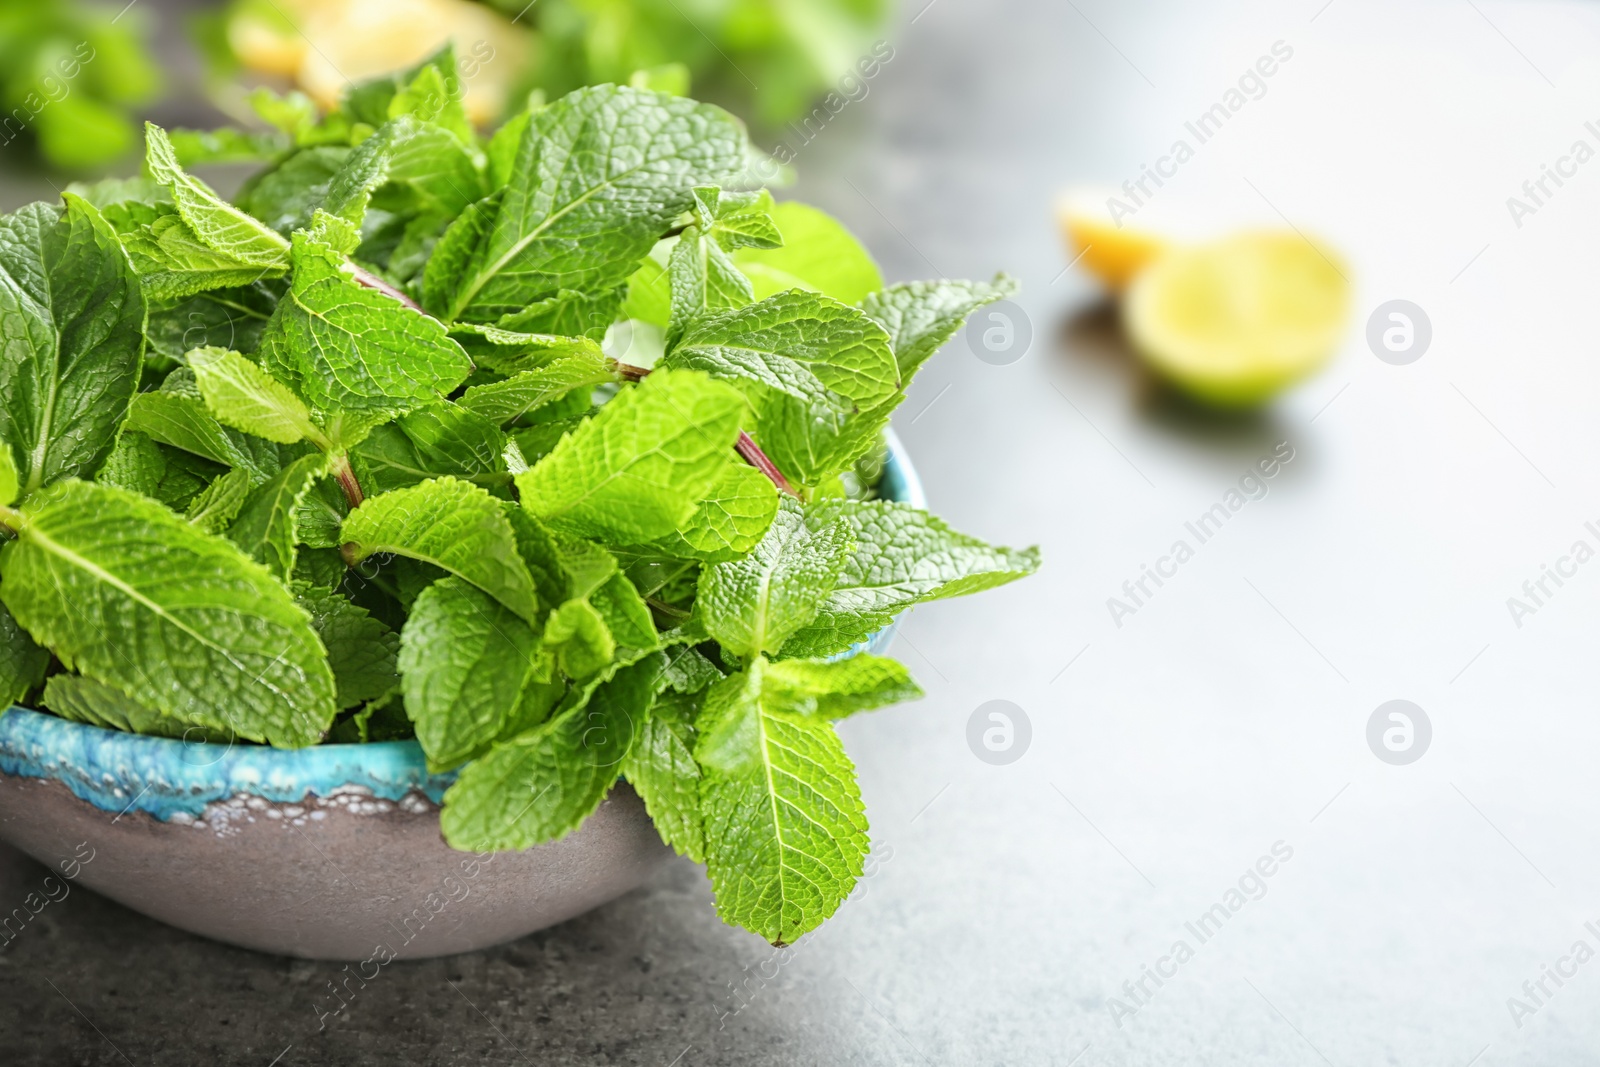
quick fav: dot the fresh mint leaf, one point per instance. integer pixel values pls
(216, 224)
(361, 650)
(466, 660)
(130, 594)
(806, 362)
(832, 689)
(921, 316)
(140, 465)
(431, 442)
(430, 163)
(268, 524)
(751, 605)
(176, 417)
(817, 253)
(344, 347)
(729, 522)
(701, 274)
(641, 466)
(285, 197)
(540, 785)
(504, 402)
(72, 316)
(785, 830)
(220, 318)
(903, 556)
(579, 639)
(598, 176)
(451, 524)
(512, 352)
(661, 768)
(22, 661)
(80, 699)
(173, 263)
(242, 395)
(10, 483)
(218, 503)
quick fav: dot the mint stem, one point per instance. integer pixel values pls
(339, 467)
(372, 281)
(758, 459)
(746, 445)
(11, 521)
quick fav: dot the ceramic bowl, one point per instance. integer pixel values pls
(329, 852)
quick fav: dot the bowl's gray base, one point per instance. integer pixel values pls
(359, 881)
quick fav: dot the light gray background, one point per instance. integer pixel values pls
(1226, 715)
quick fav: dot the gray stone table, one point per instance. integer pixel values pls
(1224, 720)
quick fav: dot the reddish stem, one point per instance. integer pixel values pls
(346, 477)
(746, 445)
(758, 459)
(372, 281)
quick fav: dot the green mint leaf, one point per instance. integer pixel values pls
(506, 401)
(72, 316)
(221, 318)
(806, 362)
(751, 605)
(344, 347)
(785, 830)
(361, 650)
(97, 572)
(451, 524)
(226, 145)
(10, 484)
(540, 785)
(597, 177)
(242, 395)
(579, 639)
(568, 313)
(466, 660)
(435, 95)
(661, 768)
(22, 661)
(182, 420)
(438, 440)
(921, 316)
(430, 163)
(817, 253)
(218, 503)
(702, 278)
(286, 196)
(267, 527)
(729, 522)
(903, 556)
(832, 689)
(80, 699)
(216, 223)
(140, 465)
(512, 351)
(173, 263)
(640, 467)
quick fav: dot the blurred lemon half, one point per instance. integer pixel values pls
(1113, 250)
(1234, 321)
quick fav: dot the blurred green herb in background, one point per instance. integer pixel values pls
(69, 75)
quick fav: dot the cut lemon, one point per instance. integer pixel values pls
(1113, 250)
(1235, 321)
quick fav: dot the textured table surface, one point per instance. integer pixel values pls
(1016, 907)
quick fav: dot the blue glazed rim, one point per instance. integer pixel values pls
(163, 777)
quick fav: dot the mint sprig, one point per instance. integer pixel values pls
(347, 459)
